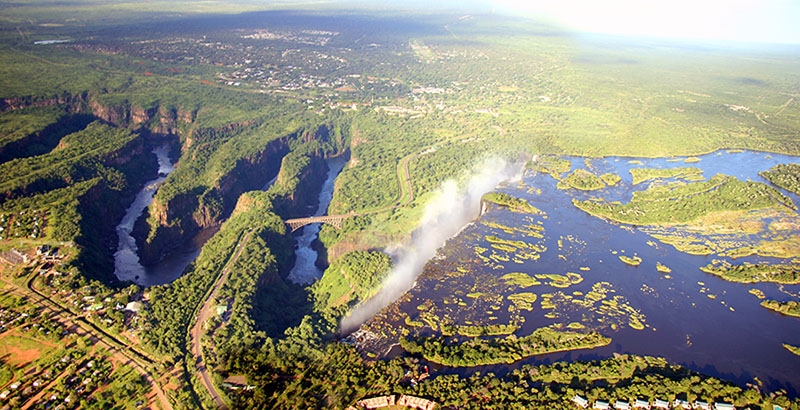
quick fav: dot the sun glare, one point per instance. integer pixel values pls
(737, 20)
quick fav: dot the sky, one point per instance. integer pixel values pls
(768, 21)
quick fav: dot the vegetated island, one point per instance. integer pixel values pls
(583, 180)
(552, 165)
(786, 176)
(684, 203)
(509, 349)
(610, 179)
(793, 349)
(513, 203)
(646, 174)
(633, 261)
(790, 308)
(750, 273)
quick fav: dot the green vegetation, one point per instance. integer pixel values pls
(650, 208)
(790, 308)
(583, 180)
(478, 352)
(251, 92)
(662, 268)
(611, 179)
(552, 165)
(749, 273)
(793, 349)
(352, 278)
(514, 203)
(633, 261)
(646, 174)
(520, 279)
(786, 176)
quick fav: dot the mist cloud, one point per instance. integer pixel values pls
(450, 211)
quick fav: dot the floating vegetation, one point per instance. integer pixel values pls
(633, 261)
(520, 279)
(662, 268)
(560, 281)
(515, 244)
(758, 293)
(793, 349)
(523, 300)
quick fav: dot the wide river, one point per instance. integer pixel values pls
(689, 317)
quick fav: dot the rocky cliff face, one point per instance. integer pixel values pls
(157, 120)
(186, 214)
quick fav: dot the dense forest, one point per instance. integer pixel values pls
(411, 102)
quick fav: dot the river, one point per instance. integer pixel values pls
(689, 317)
(305, 270)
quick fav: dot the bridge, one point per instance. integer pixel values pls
(333, 220)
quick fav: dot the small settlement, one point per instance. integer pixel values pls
(648, 405)
(410, 402)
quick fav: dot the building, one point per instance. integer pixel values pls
(701, 405)
(377, 402)
(661, 404)
(237, 382)
(641, 404)
(416, 402)
(723, 406)
(134, 307)
(622, 405)
(601, 405)
(580, 401)
(681, 404)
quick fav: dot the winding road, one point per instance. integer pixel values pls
(206, 311)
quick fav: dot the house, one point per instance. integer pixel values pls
(15, 385)
(641, 404)
(622, 405)
(377, 402)
(723, 406)
(237, 382)
(681, 404)
(5, 394)
(580, 401)
(701, 405)
(661, 404)
(601, 405)
(416, 403)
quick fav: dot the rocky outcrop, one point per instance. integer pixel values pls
(185, 214)
(156, 119)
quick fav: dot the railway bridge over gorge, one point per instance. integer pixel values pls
(333, 220)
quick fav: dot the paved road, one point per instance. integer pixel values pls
(205, 313)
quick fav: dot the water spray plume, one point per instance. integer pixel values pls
(450, 211)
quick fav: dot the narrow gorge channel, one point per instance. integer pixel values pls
(305, 270)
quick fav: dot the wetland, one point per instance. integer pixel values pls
(686, 286)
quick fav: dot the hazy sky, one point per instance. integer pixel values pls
(776, 21)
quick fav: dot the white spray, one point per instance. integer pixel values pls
(451, 210)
